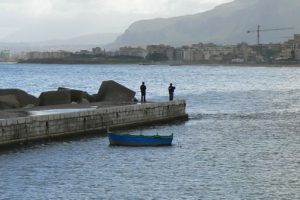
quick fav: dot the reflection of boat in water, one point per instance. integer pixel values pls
(139, 140)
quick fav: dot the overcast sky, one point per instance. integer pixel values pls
(38, 20)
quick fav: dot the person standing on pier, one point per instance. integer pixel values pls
(143, 92)
(171, 92)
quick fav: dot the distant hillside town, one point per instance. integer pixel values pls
(209, 53)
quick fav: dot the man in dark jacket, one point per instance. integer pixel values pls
(171, 92)
(143, 92)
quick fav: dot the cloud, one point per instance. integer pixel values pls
(163, 7)
(62, 18)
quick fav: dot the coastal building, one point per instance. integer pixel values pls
(198, 53)
(98, 51)
(297, 54)
(178, 54)
(33, 55)
(297, 38)
(291, 48)
(132, 51)
(84, 52)
(243, 52)
(296, 47)
(170, 51)
(285, 54)
(4, 55)
(211, 52)
(110, 53)
(193, 55)
(188, 55)
(164, 50)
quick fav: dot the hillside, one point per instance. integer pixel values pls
(225, 24)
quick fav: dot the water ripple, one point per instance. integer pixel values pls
(242, 140)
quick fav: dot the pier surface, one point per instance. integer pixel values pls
(15, 129)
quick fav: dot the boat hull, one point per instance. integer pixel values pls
(139, 140)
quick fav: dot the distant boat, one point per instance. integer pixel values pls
(139, 140)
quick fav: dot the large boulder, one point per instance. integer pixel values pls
(55, 98)
(88, 97)
(23, 97)
(78, 95)
(9, 102)
(114, 92)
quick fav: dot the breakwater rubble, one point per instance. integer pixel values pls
(16, 102)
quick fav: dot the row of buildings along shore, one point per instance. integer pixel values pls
(196, 53)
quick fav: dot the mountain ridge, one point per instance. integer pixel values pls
(225, 24)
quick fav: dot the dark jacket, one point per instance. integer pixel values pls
(143, 89)
(171, 89)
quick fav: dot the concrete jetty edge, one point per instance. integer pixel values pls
(34, 128)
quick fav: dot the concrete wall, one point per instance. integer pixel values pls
(13, 131)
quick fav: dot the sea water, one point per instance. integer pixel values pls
(242, 140)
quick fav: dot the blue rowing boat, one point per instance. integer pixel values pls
(139, 140)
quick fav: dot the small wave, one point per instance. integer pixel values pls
(246, 116)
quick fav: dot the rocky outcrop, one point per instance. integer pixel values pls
(22, 97)
(55, 98)
(9, 102)
(114, 92)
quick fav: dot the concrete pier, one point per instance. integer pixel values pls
(25, 129)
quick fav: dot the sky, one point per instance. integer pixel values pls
(40, 20)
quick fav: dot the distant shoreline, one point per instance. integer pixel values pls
(8, 63)
(281, 64)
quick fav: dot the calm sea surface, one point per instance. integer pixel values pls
(242, 140)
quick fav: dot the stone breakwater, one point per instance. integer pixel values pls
(26, 129)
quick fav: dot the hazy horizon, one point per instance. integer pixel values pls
(35, 20)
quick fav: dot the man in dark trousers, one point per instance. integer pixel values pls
(143, 92)
(171, 92)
